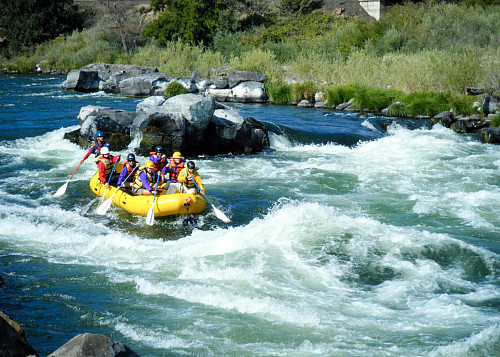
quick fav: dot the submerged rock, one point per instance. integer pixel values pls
(13, 341)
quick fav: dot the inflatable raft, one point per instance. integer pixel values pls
(164, 205)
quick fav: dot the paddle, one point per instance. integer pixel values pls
(63, 188)
(220, 215)
(150, 218)
(104, 207)
(109, 179)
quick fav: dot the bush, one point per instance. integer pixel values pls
(341, 94)
(174, 88)
(279, 92)
(375, 99)
(304, 90)
(398, 109)
(462, 104)
(495, 122)
(427, 103)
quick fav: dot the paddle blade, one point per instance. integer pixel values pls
(220, 215)
(61, 190)
(150, 218)
(104, 207)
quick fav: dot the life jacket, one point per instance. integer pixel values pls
(189, 183)
(149, 176)
(129, 170)
(97, 148)
(160, 164)
(174, 167)
(108, 164)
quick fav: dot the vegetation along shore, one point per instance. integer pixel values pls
(419, 54)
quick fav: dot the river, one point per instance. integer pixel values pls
(353, 236)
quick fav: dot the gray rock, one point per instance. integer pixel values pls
(249, 92)
(304, 104)
(151, 104)
(141, 85)
(343, 106)
(196, 109)
(227, 122)
(82, 81)
(237, 77)
(220, 83)
(13, 341)
(490, 105)
(490, 135)
(87, 344)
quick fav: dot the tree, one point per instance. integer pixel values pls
(24, 23)
(128, 21)
(302, 7)
(190, 21)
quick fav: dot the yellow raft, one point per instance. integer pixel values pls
(164, 205)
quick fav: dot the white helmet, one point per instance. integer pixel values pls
(104, 150)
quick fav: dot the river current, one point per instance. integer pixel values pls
(353, 236)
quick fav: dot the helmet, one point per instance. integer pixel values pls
(99, 133)
(177, 155)
(149, 164)
(104, 150)
(191, 165)
(131, 157)
(159, 149)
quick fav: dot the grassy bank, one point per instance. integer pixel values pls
(415, 48)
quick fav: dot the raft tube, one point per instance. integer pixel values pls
(164, 205)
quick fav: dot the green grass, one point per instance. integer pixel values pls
(174, 88)
(495, 122)
(279, 93)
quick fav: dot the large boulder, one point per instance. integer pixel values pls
(141, 85)
(238, 77)
(108, 78)
(196, 109)
(186, 122)
(490, 135)
(13, 341)
(89, 344)
(490, 104)
(82, 81)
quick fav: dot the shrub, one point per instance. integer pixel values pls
(175, 88)
(495, 122)
(279, 92)
(304, 90)
(398, 109)
(375, 99)
(462, 104)
(427, 103)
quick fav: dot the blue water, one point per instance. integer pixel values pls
(353, 236)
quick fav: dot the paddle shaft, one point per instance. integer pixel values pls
(151, 213)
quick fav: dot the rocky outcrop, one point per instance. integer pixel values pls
(191, 123)
(13, 341)
(89, 344)
(136, 81)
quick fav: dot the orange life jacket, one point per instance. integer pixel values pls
(160, 164)
(175, 169)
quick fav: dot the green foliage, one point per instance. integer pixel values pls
(257, 60)
(279, 92)
(189, 21)
(375, 99)
(462, 104)
(495, 122)
(341, 94)
(24, 23)
(301, 7)
(427, 103)
(304, 90)
(398, 109)
(175, 88)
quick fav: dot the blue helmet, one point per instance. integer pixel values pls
(131, 157)
(191, 165)
(99, 133)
